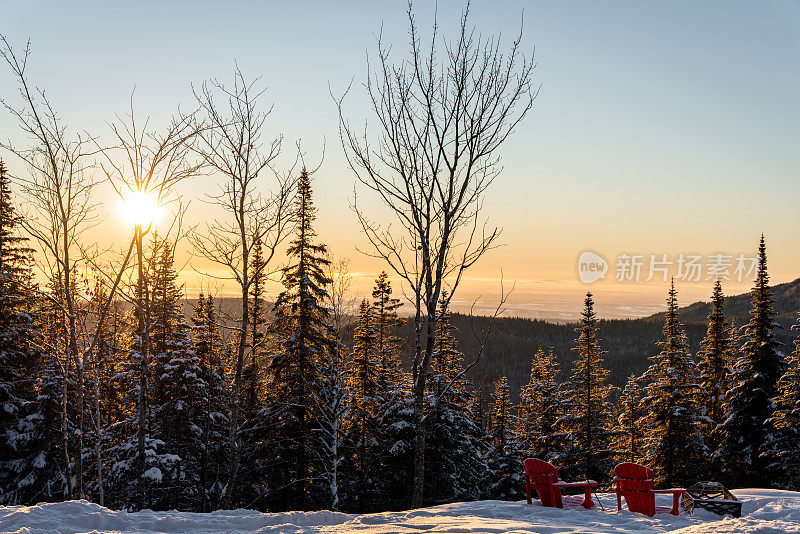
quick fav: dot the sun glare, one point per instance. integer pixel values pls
(140, 209)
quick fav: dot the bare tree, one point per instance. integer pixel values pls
(340, 301)
(232, 144)
(442, 115)
(147, 164)
(58, 190)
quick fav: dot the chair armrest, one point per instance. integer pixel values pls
(562, 484)
(670, 490)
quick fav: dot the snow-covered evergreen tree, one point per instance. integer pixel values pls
(137, 456)
(455, 447)
(587, 424)
(252, 375)
(362, 456)
(179, 400)
(755, 384)
(715, 365)
(215, 410)
(674, 445)
(386, 322)
(396, 435)
(541, 407)
(781, 450)
(305, 344)
(17, 351)
(629, 432)
(505, 459)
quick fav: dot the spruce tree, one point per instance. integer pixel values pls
(541, 408)
(505, 458)
(629, 431)
(455, 466)
(304, 345)
(386, 322)
(362, 455)
(214, 423)
(17, 353)
(715, 364)
(781, 450)
(587, 423)
(673, 442)
(138, 457)
(755, 384)
(252, 375)
(179, 400)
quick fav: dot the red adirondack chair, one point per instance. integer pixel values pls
(543, 478)
(635, 483)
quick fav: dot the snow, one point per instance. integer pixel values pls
(764, 512)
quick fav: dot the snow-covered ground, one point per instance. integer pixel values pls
(763, 512)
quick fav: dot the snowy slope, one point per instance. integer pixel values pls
(765, 511)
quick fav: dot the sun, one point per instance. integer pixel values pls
(140, 208)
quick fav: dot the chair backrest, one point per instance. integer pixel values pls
(635, 483)
(541, 475)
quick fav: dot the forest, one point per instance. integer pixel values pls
(113, 391)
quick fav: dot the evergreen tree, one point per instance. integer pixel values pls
(252, 375)
(126, 453)
(455, 464)
(362, 418)
(750, 400)
(214, 422)
(396, 435)
(629, 434)
(541, 407)
(386, 322)
(673, 444)
(587, 423)
(17, 358)
(715, 362)
(178, 406)
(304, 345)
(781, 450)
(505, 482)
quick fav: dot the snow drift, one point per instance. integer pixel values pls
(764, 512)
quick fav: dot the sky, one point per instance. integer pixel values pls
(659, 128)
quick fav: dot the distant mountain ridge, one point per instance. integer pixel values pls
(629, 342)
(737, 307)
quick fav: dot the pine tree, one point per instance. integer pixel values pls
(781, 450)
(455, 465)
(396, 435)
(362, 417)
(252, 375)
(17, 353)
(629, 434)
(505, 458)
(214, 422)
(180, 398)
(304, 346)
(673, 444)
(134, 463)
(715, 362)
(386, 321)
(755, 380)
(541, 408)
(587, 423)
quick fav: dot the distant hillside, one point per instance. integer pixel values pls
(787, 304)
(629, 342)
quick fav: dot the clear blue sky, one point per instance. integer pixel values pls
(661, 127)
